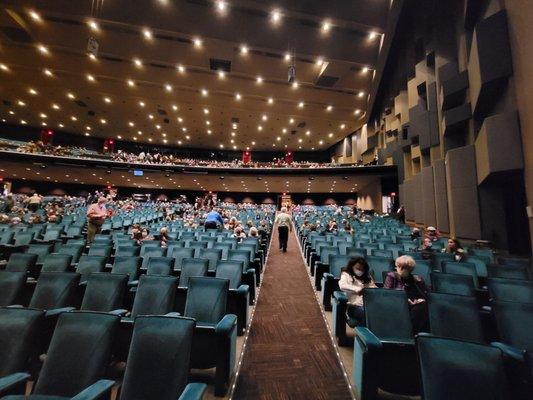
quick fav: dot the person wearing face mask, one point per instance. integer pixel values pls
(415, 288)
(145, 235)
(426, 249)
(355, 277)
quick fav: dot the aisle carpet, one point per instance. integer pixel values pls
(289, 354)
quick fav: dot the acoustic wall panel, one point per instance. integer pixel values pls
(490, 62)
(417, 198)
(409, 200)
(461, 179)
(428, 196)
(401, 193)
(348, 146)
(498, 146)
(441, 196)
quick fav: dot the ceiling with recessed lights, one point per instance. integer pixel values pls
(194, 73)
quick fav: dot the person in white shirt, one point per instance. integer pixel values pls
(355, 277)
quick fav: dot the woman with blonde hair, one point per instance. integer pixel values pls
(415, 288)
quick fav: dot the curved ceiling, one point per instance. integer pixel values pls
(194, 73)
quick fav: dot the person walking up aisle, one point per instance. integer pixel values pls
(284, 227)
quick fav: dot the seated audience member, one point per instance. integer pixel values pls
(239, 234)
(213, 219)
(348, 227)
(263, 229)
(163, 236)
(355, 277)
(253, 232)
(432, 233)
(415, 234)
(145, 235)
(415, 289)
(454, 247)
(426, 249)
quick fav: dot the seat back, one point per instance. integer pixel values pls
(52, 235)
(74, 250)
(508, 271)
(80, 350)
(11, 284)
(158, 360)
(230, 270)
(462, 285)
(460, 268)
(225, 247)
(179, 254)
(514, 322)
(206, 299)
(387, 313)
(6, 238)
(192, 267)
(159, 266)
(128, 251)
(510, 290)
(42, 250)
(453, 369)
(21, 262)
(100, 250)
(18, 333)
(455, 317)
(423, 269)
(56, 262)
(378, 265)
(326, 252)
(155, 295)
(240, 255)
(105, 292)
(155, 251)
(212, 256)
(89, 264)
(54, 290)
(23, 238)
(336, 263)
(127, 265)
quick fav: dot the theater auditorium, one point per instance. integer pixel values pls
(266, 200)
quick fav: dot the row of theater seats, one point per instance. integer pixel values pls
(204, 275)
(478, 311)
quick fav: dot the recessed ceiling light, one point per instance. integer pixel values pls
(308, 132)
(132, 124)
(208, 122)
(301, 104)
(357, 112)
(61, 125)
(43, 49)
(151, 116)
(73, 118)
(92, 56)
(278, 138)
(264, 117)
(329, 108)
(34, 15)
(320, 142)
(259, 79)
(300, 140)
(342, 126)
(23, 122)
(319, 61)
(158, 126)
(103, 121)
(238, 96)
(180, 68)
(138, 62)
(47, 72)
(180, 120)
(197, 42)
(139, 132)
(90, 78)
(330, 134)
(71, 96)
(364, 70)
(244, 49)
(204, 92)
(11, 112)
(275, 16)
(119, 137)
(361, 94)
(168, 87)
(130, 82)
(141, 103)
(270, 100)
(372, 35)
(55, 106)
(87, 134)
(209, 131)
(147, 33)
(221, 6)
(107, 100)
(221, 74)
(174, 107)
(184, 129)
(326, 26)
(259, 128)
(43, 115)
(32, 91)
(295, 85)
(206, 111)
(4, 67)
(93, 25)
(287, 57)
(21, 103)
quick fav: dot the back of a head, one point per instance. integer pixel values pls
(283, 209)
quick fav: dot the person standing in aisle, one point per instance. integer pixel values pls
(284, 227)
(96, 214)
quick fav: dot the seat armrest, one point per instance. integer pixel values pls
(340, 296)
(96, 391)
(243, 290)
(226, 324)
(9, 382)
(56, 311)
(193, 391)
(15, 306)
(327, 275)
(133, 283)
(121, 312)
(367, 338)
(510, 351)
(173, 314)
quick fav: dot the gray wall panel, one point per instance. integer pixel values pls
(441, 196)
(428, 196)
(461, 179)
(417, 198)
(409, 200)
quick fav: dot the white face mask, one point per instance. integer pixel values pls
(457, 257)
(359, 273)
